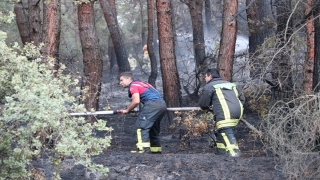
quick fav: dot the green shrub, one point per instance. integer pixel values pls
(35, 119)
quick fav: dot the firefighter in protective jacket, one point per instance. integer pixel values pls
(226, 102)
(153, 110)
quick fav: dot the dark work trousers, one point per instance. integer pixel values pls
(149, 120)
(227, 138)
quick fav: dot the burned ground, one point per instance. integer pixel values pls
(198, 161)
(177, 162)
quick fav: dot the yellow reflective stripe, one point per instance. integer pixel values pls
(220, 145)
(241, 106)
(227, 123)
(143, 144)
(140, 145)
(229, 148)
(235, 91)
(155, 149)
(225, 85)
(223, 103)
(139, 136)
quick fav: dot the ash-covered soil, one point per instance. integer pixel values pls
(198, 161)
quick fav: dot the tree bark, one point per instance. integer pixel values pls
(22, 22)
(114, 29)
(261, 25)
(260, 22)
(91, 56)
(228, 39)
(143, 23)
(112, 58)
(170, 77)
(208, 15)
(35, 21)
(195, 9)
(316, 74)
(52, 29)
(309, 61)
(154, 67)
(282, 71)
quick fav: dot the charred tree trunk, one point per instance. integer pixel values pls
(316, 74)
(91, 56)
(208, 15)
(52, 29)
(112, 58)
(114, 69)
(309, 61)
(195, 9)
(170, 77)
(114, 29)
(154, 67)
(260, 22)
(282, 71)
(143, 23)
(22, 22)
(35, 21)
(228, 39)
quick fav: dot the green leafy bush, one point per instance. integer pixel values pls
(35, 120)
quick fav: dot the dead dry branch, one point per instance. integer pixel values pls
(292, 132)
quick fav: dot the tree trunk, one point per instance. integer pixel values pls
(228, 39)
(282, 72)
(114, 29)
(52, 29)
(91, 56)
(143, 23)
(154, 67)
(22, 22)
(208, 15)
(112, 58)
(316, 74)
(35, 21)
(195, 9)
(170, 77)
(309, 61)
(260, 22)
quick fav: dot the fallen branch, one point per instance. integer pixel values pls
(251, 127)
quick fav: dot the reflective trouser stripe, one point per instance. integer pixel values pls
(229, 147)
(155, 149)
(241, 106)
(227, 123)
(140, 145)
(223, 103)
(220, 145)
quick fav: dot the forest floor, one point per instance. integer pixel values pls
(198, 161)
(177, 162)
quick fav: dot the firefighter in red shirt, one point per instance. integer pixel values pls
(153, 110)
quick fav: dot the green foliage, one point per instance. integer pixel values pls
(35, 118)
(8, 18)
